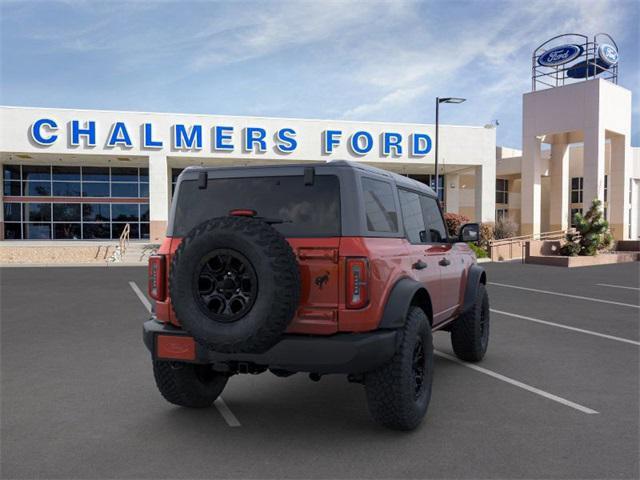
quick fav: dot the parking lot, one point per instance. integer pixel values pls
(556, 397)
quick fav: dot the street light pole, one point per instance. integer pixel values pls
(438, 102)
(436, 146)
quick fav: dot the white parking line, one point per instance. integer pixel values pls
(518, 384)
(616, 286)
(227, 414)
(566, 327)
(590, 299)
(141, 296)
(222, 407)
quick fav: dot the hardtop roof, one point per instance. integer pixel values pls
(397, 178)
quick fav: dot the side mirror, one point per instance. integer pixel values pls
(469, 232)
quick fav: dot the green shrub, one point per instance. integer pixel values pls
(592, 233)
(479, 251)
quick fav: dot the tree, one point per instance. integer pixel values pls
(592, 233)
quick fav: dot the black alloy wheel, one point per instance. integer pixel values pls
(225, 285)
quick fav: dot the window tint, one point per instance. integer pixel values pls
(379, 206)
(36, 172)
(12, 212)
(37, 212)
(66, 189)
(124, 212)
(11, 172)
(66, 173)
(412, 216)
(37, 189)
(96, 212)
(306, 210)
(436, 231)
(66, 212)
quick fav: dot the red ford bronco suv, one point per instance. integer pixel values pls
(322, 268)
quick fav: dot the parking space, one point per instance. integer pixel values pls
(78, 399)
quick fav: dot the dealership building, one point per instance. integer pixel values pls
(86, 174)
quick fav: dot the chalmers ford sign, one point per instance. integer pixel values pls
(46, 132)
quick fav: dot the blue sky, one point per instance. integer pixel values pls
(355, 60)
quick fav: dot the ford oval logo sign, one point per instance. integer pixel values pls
(608, 54)
(560, 55)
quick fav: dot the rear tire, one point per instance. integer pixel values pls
(187, 384)
(470, 332)
(398, 393)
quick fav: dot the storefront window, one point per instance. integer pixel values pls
(73, 218)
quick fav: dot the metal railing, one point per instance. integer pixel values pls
(123, 242)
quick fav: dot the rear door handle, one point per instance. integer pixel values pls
(444, 262)
(419, 265)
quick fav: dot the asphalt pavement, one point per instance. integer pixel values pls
(556, 397)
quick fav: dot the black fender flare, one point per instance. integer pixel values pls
(405, 292)
(476, 276)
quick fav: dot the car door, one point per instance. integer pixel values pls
(425, 258)
(450, 264)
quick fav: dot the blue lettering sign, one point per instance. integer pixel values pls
(89, 131)
(147, 138)
(391, 140)
(357, 146)
(421, 144)
(183, 138)
(286, 141)
(222, 135)
(255, 136)
(331, 139)
(119, 136)
(37, 134)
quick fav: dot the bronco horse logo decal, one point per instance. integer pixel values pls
(322, 280)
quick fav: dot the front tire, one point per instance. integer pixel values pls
(187, 384)
(470, 332)
(398, 393)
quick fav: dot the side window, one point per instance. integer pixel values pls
(436, 231)
(412, 216)
(379, 206)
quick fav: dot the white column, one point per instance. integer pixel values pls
(485, 191)
(593, 166)
(619, 186)
(559, 202)
(158, 196)
(531, 172)
(452, 192)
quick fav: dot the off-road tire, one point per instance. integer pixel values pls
(392, 396)
(188, 385)
(470, 332)
(277, 276)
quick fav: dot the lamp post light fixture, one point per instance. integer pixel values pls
(438, 102)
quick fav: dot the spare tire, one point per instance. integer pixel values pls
(235, 284)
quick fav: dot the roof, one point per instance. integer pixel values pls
(397, 178)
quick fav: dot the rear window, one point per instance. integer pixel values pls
(307, 210)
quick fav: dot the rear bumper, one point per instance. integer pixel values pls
(339, 353)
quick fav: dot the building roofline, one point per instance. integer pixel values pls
(20, 107)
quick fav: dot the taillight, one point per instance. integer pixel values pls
(157, 277)
(357, 282)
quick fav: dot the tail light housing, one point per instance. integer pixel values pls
(157, 281)
(357, 282)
